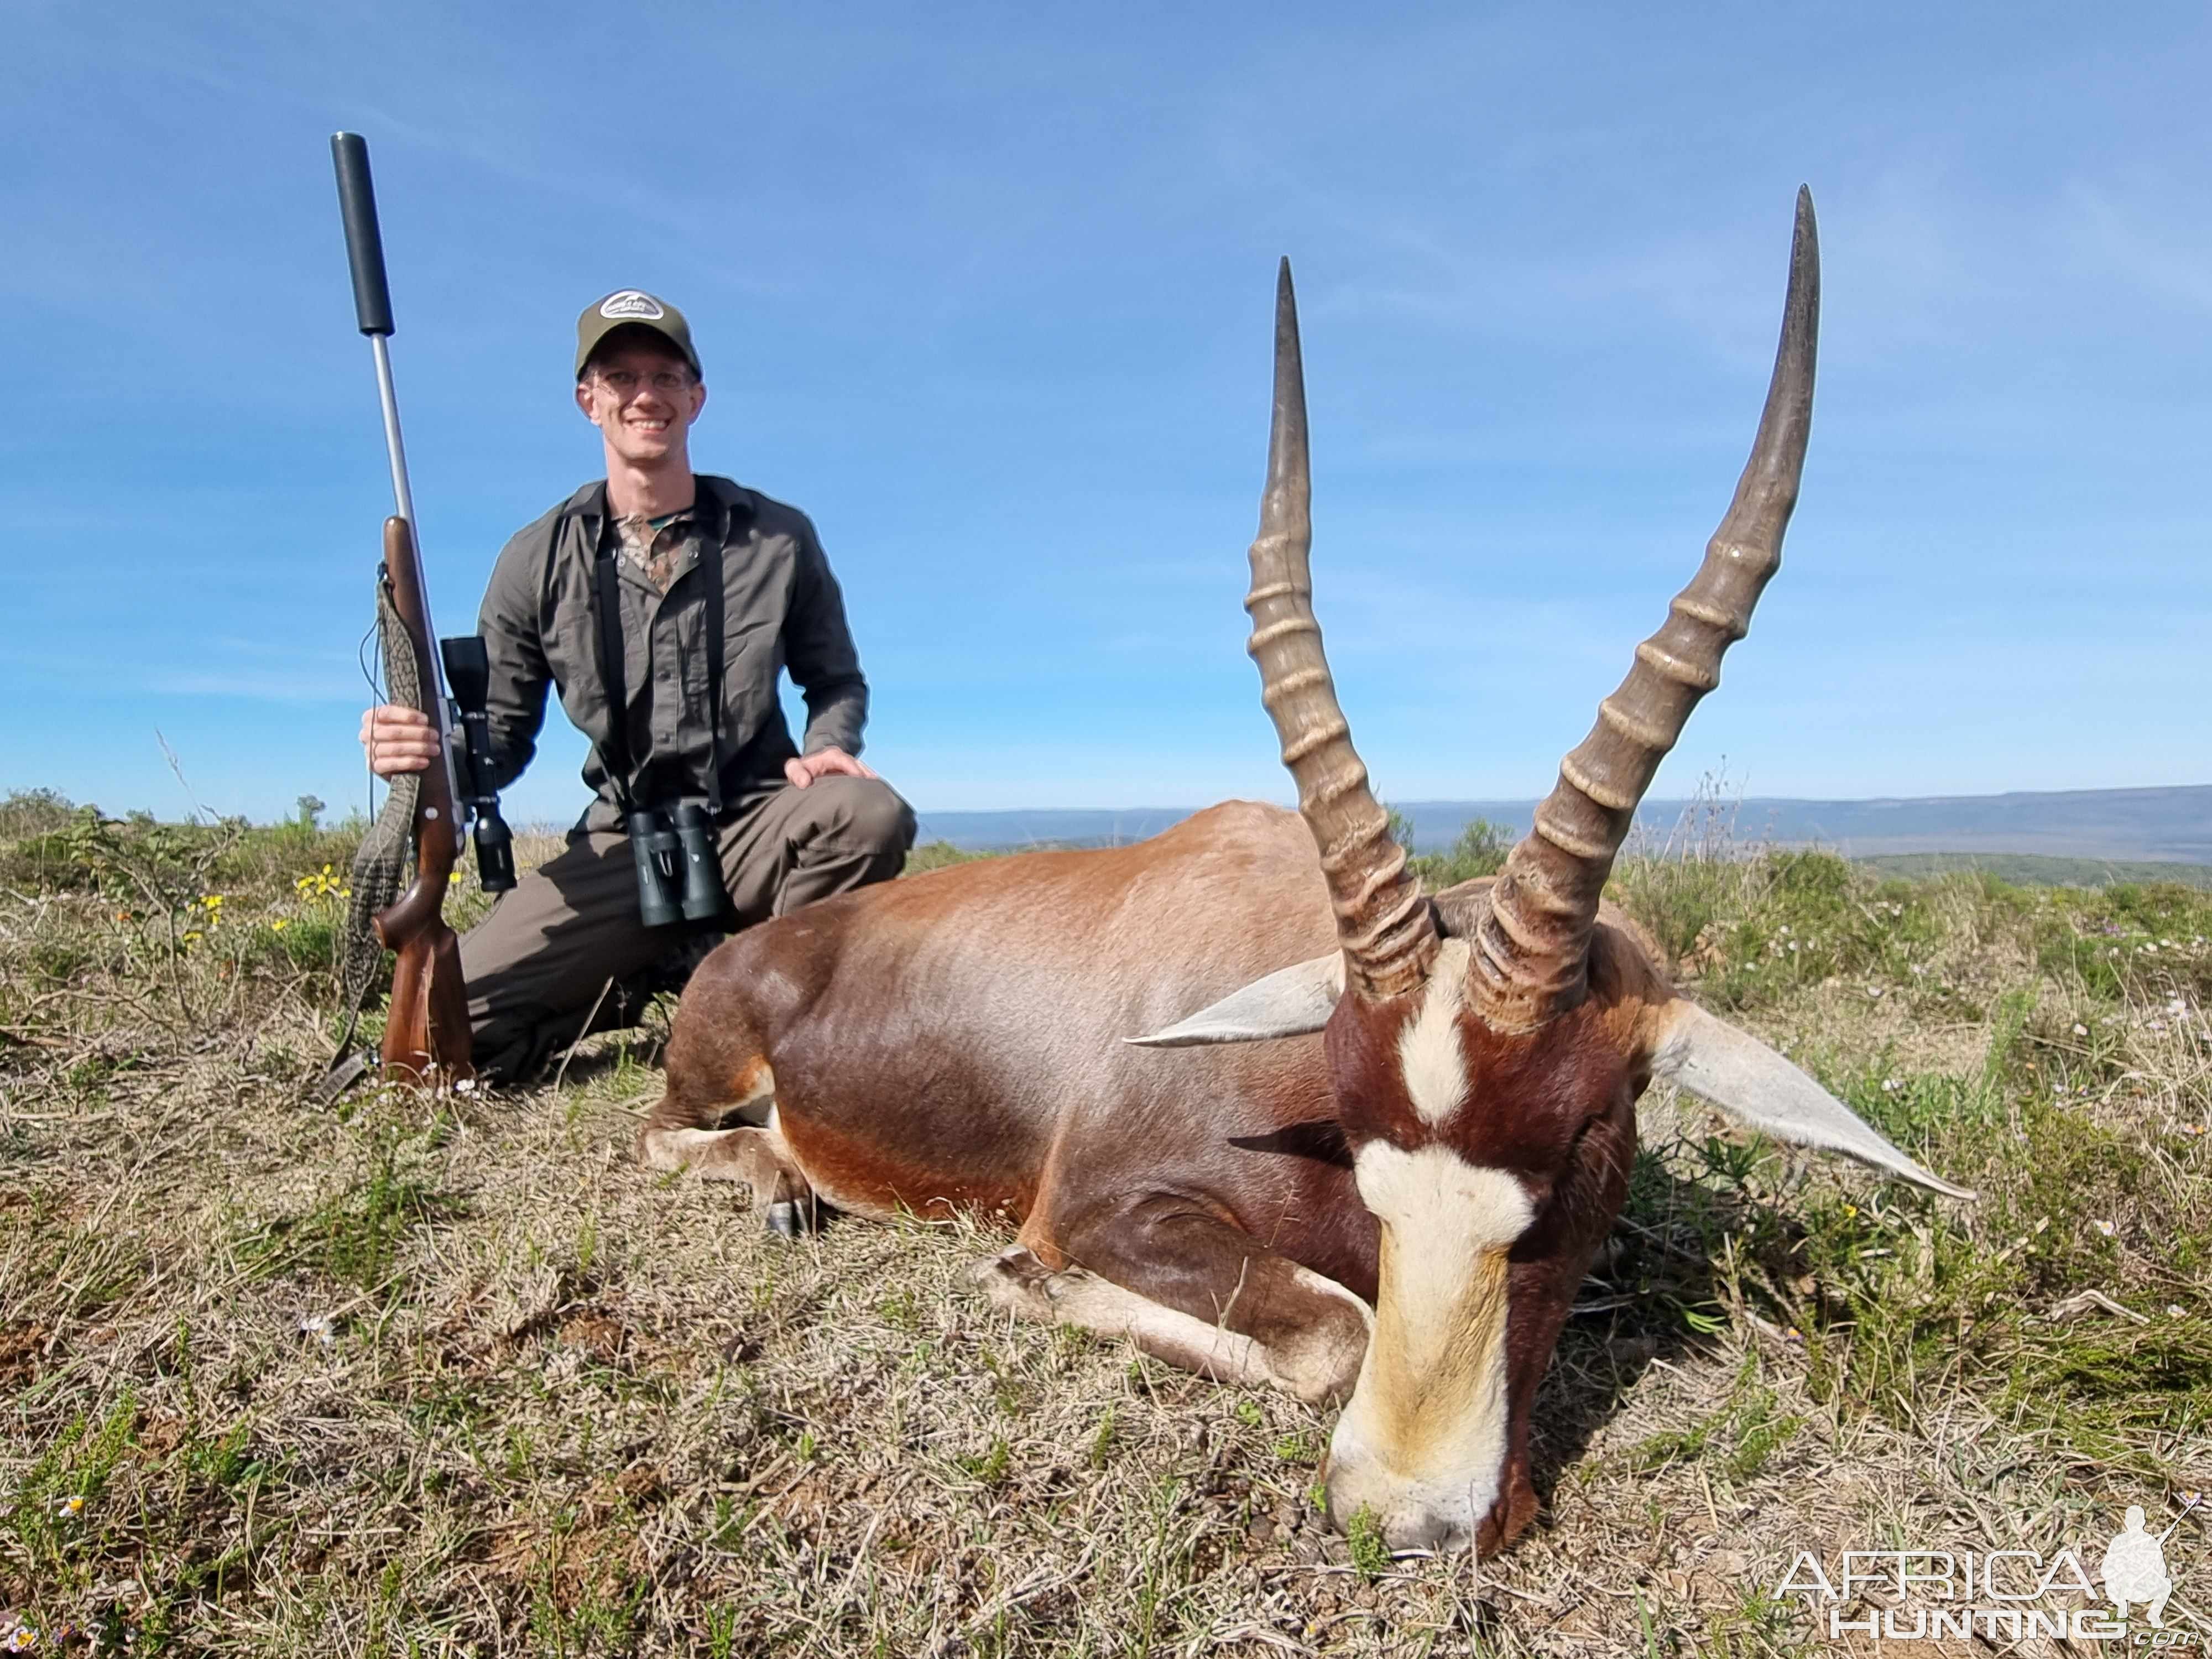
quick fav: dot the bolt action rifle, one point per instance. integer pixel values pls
(426, 1033)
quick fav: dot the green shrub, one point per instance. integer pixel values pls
(1810, 916)
(2123, 937)
(1676, 900)
(936, 855)
(26, 813)
(1480, 850)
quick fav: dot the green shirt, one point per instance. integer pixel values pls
(782, 610)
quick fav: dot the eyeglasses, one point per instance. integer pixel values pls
(667, 382)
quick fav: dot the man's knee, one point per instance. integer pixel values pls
(862, 815)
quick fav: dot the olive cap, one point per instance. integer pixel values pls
(629, 306)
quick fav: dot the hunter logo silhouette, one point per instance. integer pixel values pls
(2134, 1567)
(631, 303)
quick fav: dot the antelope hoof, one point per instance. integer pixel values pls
(787, 1220)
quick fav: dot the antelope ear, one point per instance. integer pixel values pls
(1289, 1003)
(1762, 1090)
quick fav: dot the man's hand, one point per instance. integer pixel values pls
(819, 765)
(398, 739)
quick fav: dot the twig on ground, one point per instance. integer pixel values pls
(561, 1076)
(2075, 1306)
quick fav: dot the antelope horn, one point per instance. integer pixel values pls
(1382, 921)
(1532, 947)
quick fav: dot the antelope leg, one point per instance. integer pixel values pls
(1197, 1292)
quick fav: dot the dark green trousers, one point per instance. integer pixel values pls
(567, 939)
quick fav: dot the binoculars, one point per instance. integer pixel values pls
(679, 877)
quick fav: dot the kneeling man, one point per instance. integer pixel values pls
(661, 604)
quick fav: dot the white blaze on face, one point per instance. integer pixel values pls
(1428, 1050)
(1422, 1443)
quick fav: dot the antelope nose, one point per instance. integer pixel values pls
(1404, 1522)
(1442, 1534)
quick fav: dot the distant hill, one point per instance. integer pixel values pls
(2163, 826)
(2031, 870)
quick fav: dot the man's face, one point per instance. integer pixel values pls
(644, 398)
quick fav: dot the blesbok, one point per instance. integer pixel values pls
(1396, 1213)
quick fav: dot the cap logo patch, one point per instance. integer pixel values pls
(631, 303)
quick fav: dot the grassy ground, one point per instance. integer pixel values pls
(410, 1375)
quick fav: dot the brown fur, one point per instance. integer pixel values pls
(954, 1041)
(1569, 1136)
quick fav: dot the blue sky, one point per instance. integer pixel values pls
(986, 290)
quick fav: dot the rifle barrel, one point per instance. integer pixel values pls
(372, 304)
(395, 447)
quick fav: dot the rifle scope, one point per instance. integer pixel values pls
(468, 671)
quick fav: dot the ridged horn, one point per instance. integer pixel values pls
(1532, 947)
(1382, 921)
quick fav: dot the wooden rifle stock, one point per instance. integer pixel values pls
(426, 1031)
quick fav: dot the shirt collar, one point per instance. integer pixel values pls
(719, 502)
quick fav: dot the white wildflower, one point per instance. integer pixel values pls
(2080, 1029)
(322, 1327)
(2106, 1229)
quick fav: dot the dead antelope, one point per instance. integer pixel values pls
(1396, 1213)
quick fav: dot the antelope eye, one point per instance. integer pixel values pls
(1570, 1156)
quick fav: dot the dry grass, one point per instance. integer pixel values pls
(406, 1376)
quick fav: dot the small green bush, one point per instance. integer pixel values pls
(1480, 850)
(936, 855)
(26, 813)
